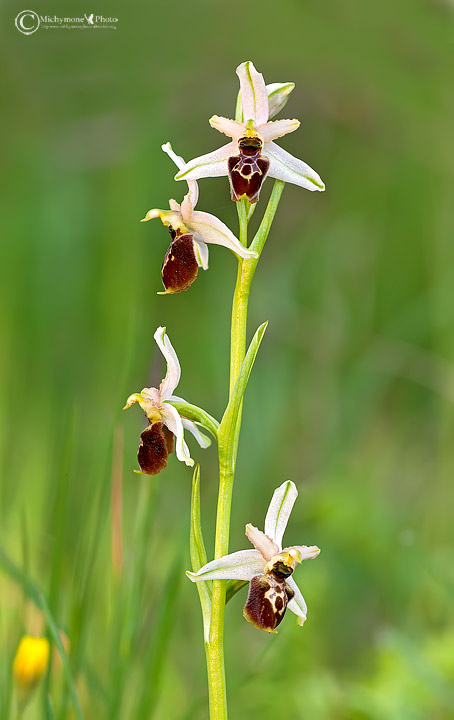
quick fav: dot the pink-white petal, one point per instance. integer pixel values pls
(213, 164)
(297, 605)
(277, 128)
(254, 97)
(266, 547)
(229, 127)
(284, 166)
(241, 565)
(174, 206)
(279, 511)
(278, 94)
(172, 420)
(203, 440)
(151, 395)
(173, 373)
(210, 229)
(187, 208)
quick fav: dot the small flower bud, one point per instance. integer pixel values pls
(30, 664)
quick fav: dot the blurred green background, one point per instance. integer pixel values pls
(353, 389)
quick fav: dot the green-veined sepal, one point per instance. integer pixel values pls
(197, 414)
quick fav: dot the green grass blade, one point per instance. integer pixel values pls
(156, 657)
(34, 593)
(49, 708)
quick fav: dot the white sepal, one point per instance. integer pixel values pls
(213, 164)
(286, 167)
(193, 195)
(279, 511)
(203, 440)
(173, 373)
(278, 94)
(241, 565)
(212, 230)
(173, 421)
(297, 605)
(254, 97)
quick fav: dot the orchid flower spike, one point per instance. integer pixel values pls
(191, 230)
(252, 154)
(268, 568)
(165, 423)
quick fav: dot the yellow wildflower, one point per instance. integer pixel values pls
(30, 662)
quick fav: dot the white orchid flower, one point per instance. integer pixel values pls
(252, 154)
(191, 230)
(268, 568)
(165, 423)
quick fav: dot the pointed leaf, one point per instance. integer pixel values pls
(198, 553)
(197, 546)
(229, 419)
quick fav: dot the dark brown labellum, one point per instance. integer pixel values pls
(247, 170)
(179, 267)
(267, 602)
(156, 443)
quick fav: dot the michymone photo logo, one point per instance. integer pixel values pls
(28, 22)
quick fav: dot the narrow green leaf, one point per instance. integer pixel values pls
(267, 220)
(229, 419)
(198, 553)
(233, 586)
(34, 593)
(197, 546)
(192, 412)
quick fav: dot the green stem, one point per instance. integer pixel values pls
(228, 450)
